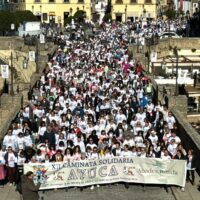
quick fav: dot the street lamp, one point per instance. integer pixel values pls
(175, 52)
(37, 55)
(163, 65)
(70, 11)
(25, 63)
(125, 12)
(12, 75)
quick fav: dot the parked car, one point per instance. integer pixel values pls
(169, 35)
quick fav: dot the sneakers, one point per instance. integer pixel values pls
(183, 189)
(92, 187)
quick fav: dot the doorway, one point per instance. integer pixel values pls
(119, 18)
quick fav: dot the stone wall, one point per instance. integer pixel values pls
(9, 105)
(189, 136)
(181, 43)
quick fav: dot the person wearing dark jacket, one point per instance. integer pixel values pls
(50, 136)
(29, 189)
(191, 166)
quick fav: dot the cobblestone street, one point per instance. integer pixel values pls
(116, 192)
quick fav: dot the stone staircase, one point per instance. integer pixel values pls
(10, 106)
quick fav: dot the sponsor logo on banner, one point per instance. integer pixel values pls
(108, 170)
(4, 71)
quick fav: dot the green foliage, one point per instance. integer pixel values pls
(180, 12)
(107, 17)
(79, 16)
(7, 18)
(170, 14)
(22, 16)
(68, 20)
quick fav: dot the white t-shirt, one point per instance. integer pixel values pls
(12, 159)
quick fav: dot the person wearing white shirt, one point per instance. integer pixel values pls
(170, 120)
(172, 148)
(153, 137)
(139, 139)
(9, 140)
(2, 169)
(174, 137)
(129, 141)
(91, 144)
(20, 141)
(120, 117)
(11, 161)
(165, 155)
(94, 154)
(80, 143)
(126, 151)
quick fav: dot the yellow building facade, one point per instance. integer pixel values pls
(124, 10)
(57, 10)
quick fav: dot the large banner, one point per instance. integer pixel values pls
(110, 170)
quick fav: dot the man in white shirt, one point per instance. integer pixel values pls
(80, 143)
(153, 137)
(120, 117)
(129, 141)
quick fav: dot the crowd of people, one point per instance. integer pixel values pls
(92, 101)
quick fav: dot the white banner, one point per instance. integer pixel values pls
(4, 71)
(42, 39)
(101, 171)
(32, 56)
(153, 57)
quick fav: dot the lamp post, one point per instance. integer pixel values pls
(12, 75)
(175, 52)
(163, 64)
(125, 12)
(37, 55)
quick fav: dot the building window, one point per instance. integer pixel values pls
(133, 1)
(51, 1)
(44, 16)
(37, 1)
(148, 1)
(119, 2)
(80, 1)
(66, 1)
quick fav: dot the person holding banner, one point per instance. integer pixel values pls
(29, 189)
(2, 170)
(191, 166)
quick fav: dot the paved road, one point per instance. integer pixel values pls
(116, 192)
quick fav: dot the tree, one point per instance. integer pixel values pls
(171, 14)
(79, 16)
(22, 16)
(68, 20)
(6, 19)
(107, 17)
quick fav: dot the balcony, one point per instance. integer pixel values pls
(81, 1)
(119, 2)
(148, 1)
(133, 1)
